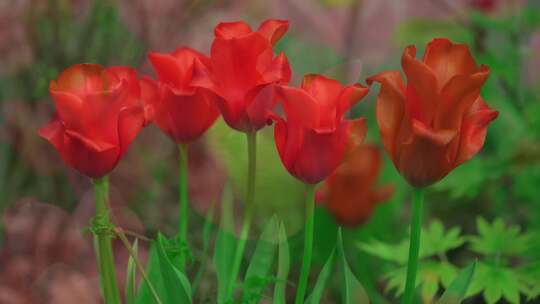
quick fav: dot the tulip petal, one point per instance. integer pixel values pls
(90, 144)
(229, 30)
(358, 129)
(289, 139)
(80, 153)
(326, 92)
(185, 117)
(299, 107)
(149, 97)
(422, 83)
(474, 131)
(70, 108)
(390, 109)
(350, 96)
(54, 133)
(130, 122)
(83, 78)
(313, 163)
(438, 137)
(171, 70)
(262, 101)
(424, 158)
(447, 59)
(273, 29)
(457, 96)
(239, 63)
(279, 71)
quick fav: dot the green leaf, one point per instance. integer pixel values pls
(283, 266)
(207, 231)
(431, 275)
(178, 289)
(257, 273)
(436, 242)
(497, 239)
(495, 282)
(131, 279)
(144, 295)
(320, 285)
(455, 293)
(352, 291)
(225, 246)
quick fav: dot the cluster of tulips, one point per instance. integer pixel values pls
(429, 125)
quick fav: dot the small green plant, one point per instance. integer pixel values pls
(434, 268)
(504, 270)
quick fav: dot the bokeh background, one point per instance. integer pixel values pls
(494, 199)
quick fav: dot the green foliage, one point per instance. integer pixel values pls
(177, 286)
(131, 278)
(456, 291)
(433, 268)
(421, 31)
(497, 240)
(351, 289)
(153, 270)
(258, 272)
(498, 276)
(320, 285)
(224, 247)
(283, 266)
(277, 192)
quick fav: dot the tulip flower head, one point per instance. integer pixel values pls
(437, 120)
(314, 136)
(244, 72)
(351, 194)
(183, 111)
(99, 113)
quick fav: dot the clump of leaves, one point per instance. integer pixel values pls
(506, 269)
(434, 269)
(503, 272)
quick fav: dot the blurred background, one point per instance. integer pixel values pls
(487, 209)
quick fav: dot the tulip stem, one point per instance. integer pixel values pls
(248, 213)
(103, 231)
(414, 246)
(308, 244)
(183, 199)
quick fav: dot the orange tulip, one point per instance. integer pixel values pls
(437, 120)
(350, 193)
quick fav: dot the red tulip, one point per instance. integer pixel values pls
(350, 193)
(314, 137)
(244, 72)
(484, 5)
(99, 113)
(437, 120)
(183, 111)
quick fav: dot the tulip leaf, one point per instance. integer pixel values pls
(351, 289)
(131, 278)
(320, 285)
(178, 288)
(225, 246)
(257, 273)
(207, 231)
(153, 271)
(455, 293)
(283, 266)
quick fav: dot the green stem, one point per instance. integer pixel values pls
(102, 228)
(248, 214)
(414, 246)
(183, 198)
(308, 244)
